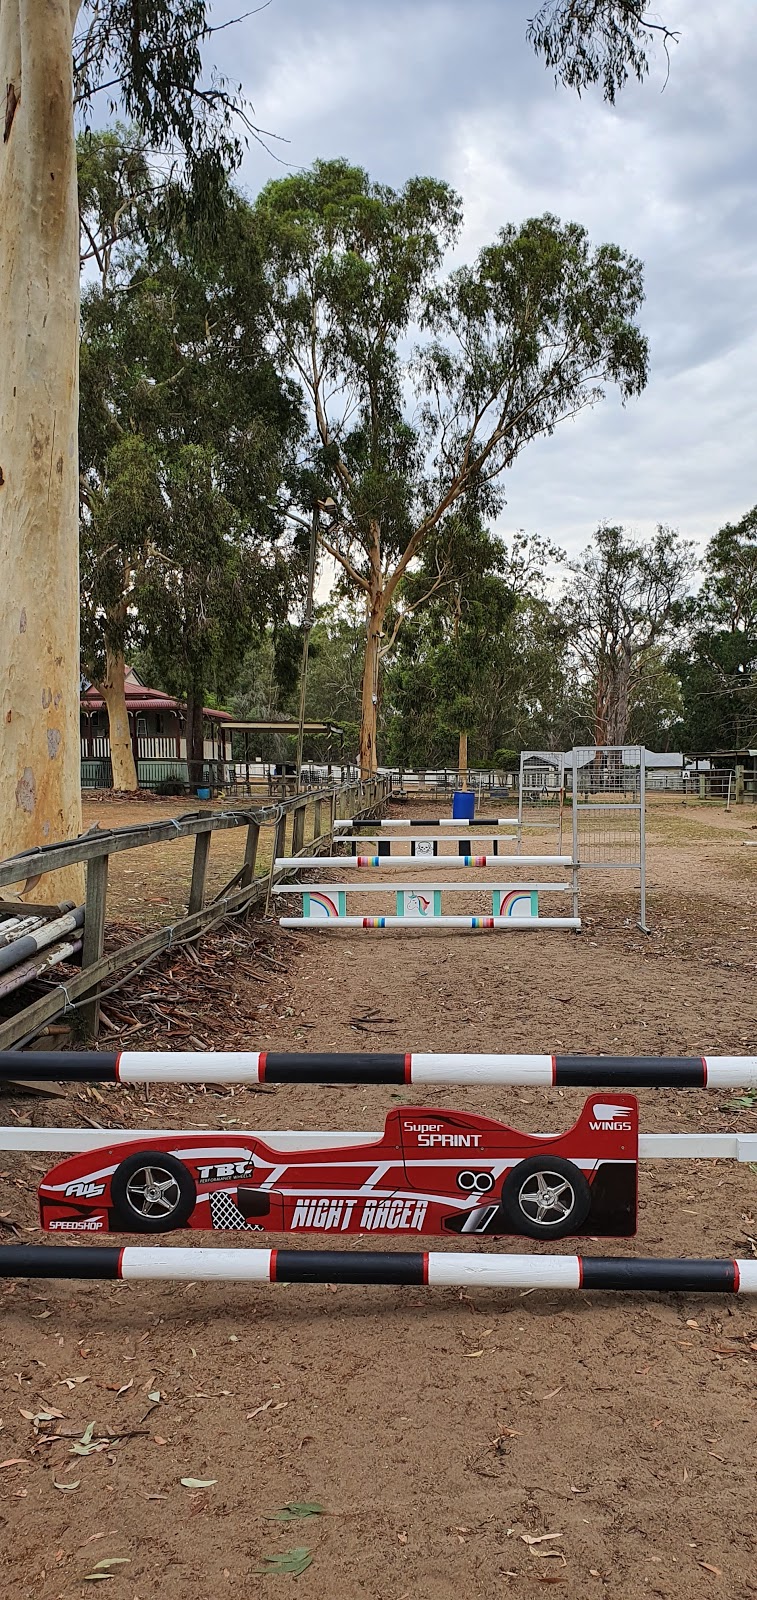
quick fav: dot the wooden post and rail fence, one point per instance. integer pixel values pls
(243, 891)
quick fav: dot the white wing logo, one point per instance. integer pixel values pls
(607, 1113)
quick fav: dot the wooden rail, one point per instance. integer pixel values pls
(243, 891)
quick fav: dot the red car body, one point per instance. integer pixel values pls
(430, 1172)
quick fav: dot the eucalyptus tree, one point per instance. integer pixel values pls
(148, 58)
(55, 57)
(423, 389)
(625, 601)
(483, 665)
(718, 664)
(187, 434)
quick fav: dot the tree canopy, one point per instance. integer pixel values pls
(187, 434)
(718, 670)
(421, 390)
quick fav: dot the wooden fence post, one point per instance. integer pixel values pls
(94, 936)
(298, 828)
(279, 837)
(250, 854)
(199, 869)
(317, 822)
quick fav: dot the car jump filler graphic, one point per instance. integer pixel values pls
(430, 1172)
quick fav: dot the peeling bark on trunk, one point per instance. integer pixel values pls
(376, 603)
(462, 759)
(613, 699)
(40, 798)
(113, 692)
(370, 689)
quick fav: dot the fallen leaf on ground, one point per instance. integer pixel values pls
(718, 1571)
(539, 1538)
(68, 1486)
(198, 1483)
(295, 1509)
(256, 1413)
(292, 1562)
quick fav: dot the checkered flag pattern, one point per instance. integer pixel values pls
(224, 1214)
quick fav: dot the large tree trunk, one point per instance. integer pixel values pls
(462, 760)
(195, 752)
(621, 710)
(113, 692)
(40, 796)
(370, 688)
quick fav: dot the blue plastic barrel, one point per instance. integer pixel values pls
(203, 794)
(463, 803)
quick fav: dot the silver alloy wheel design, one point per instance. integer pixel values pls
(153, 1192)
(546, 1198)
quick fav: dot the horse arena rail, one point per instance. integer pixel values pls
(427, 1268)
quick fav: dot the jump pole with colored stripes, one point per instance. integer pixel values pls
(434, 1269)
(378, 1067)
(401, 863)
(427, 924)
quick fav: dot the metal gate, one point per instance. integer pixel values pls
(541, 792)
(608, 791)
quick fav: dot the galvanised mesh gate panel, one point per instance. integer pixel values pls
(608, 793)
(541, 792)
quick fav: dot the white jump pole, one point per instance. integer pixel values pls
(413, 886)
(480, 924)
(77, 1141)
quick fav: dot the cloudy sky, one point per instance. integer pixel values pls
(451, 88)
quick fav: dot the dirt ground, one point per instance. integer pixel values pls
(445, 1433)
(151, 885)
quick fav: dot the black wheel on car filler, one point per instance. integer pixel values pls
(152, 1193)
(545, 1197)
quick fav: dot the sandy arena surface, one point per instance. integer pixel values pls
(445, 1433)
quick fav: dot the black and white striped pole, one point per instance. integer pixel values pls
(432, 1269)
(379, 1067)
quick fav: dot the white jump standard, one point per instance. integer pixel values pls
(431, 1269)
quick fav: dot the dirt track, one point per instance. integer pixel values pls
(437, 1428)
